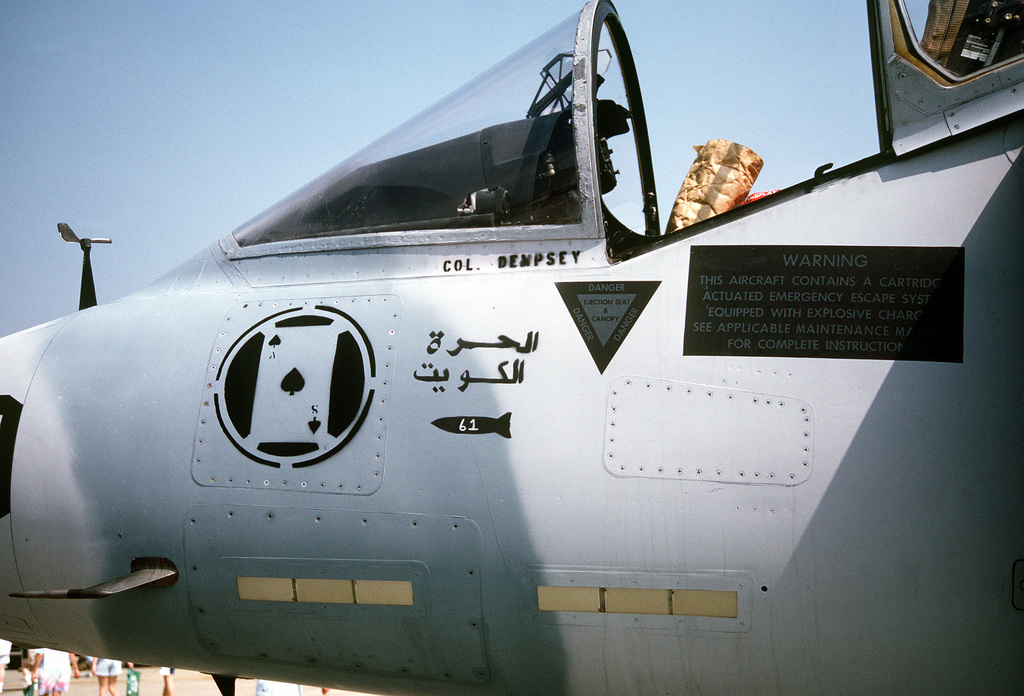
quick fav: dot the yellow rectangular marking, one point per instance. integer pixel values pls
(327, 591)
(390, 592)
(585, 599)
(721, 604)
(714, 603)
(266, 589)
(629, 600)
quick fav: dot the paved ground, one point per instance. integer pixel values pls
(185, 684)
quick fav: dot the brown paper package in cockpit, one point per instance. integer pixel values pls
(719, 179)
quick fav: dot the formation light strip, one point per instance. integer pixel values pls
(628, 600)
(326, 591)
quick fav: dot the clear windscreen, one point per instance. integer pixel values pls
(498, 151)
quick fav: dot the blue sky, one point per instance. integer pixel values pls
(164, 125)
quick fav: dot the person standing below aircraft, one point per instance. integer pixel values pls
(5, 658)
(27, 660)
(106, 671)
(53, 669)
(168, 674)
(265, 687)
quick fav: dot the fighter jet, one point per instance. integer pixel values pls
(469, 415)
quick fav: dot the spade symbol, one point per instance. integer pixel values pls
(314, 425)
(275, 341)
(293, 382)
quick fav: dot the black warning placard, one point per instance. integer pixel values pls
(874, 303)
(605, 313)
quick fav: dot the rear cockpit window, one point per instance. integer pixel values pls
(499, 151)
(964, 37)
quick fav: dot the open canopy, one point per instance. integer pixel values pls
(497, 151)
(504, 150)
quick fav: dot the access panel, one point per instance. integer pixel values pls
(296, 396)
(379, 593)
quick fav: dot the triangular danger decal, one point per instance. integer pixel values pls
(605, 313)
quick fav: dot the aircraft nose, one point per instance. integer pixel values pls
(20, 354)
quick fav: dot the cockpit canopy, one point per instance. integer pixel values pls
(525, 144)
(498, 151)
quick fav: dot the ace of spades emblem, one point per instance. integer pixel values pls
(293, 389)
